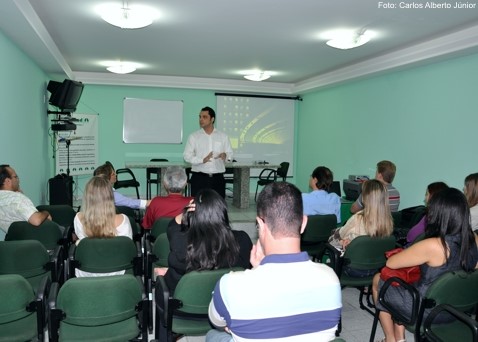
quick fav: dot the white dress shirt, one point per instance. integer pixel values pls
(199, 145)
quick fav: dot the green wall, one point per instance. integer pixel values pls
(107, 101)
(24, 126)
(423, 119)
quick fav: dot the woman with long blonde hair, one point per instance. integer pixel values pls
(98, 218)
(374, 220)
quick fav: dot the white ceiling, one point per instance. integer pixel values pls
(207, 43)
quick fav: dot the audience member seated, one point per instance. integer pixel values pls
(285, 297)
(374, 220)
(14, 205)
(107, 170)
(98, 218)
(385, 173)
(320, 201)
(450, 245)
(201, 238)
(419, 228)
(174, 181)
(471, 193)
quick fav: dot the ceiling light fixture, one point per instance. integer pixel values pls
(122, 68)
(349, 41)
(258, 76)
(126, 17)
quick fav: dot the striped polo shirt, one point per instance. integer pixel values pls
(286, 298)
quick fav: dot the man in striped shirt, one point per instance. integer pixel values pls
(385, 173)
(286, 296)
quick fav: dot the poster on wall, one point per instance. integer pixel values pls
(78, 149)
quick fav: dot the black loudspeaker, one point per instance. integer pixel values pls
(61, 190)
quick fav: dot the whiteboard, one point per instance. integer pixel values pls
(152, 121)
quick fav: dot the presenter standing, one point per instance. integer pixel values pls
(207, 150)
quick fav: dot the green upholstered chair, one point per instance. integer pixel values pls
(105, 256)
(62, 214)
(22, 312)
(363, 253)
(461, 328)
(456, 288)
(317, 232)
(186, 311)
(31, 260)
(98, 309)
(159, 227)
(48, 233)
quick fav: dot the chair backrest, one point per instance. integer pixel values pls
(100, 308)
(319, 228)
(457, 288)
(366, 253)
(160, 226)
(283, 170)
(27, 258)
(17, 323)
(195, 288)
(161, 250)
(106, 255)
(62, 214)
(48, 233)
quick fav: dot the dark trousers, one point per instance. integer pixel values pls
(214, 181)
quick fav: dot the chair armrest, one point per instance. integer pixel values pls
(143, 309)
(71, 263)
(162, 297)
(138, 260)
(55, 315)
(458, 315)
(396, 314)
(55, 265)
(336, 259)
(270, 173)
(39, 305)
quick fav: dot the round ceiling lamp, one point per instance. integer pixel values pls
(121, 68)
(126, 17)
(258, 76)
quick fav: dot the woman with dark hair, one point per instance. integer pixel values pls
(419, 228)
(449, 245)
(201, 238)
(471, 193)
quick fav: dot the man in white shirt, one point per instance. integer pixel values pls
(14, 205)
(207, 150)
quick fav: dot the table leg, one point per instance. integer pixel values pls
(240, 188)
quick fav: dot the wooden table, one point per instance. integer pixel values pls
(240, 187)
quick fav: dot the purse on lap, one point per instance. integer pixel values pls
(408, 274)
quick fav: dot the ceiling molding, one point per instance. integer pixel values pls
(446, 45)
(183, 82)
(37, 25)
